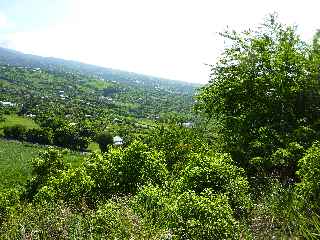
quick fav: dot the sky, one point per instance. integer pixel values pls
(174, 39)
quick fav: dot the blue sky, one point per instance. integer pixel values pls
(166, 38)
(29, 15)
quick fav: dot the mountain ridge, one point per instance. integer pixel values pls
(17, 58)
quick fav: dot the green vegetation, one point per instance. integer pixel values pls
(15, 159)
(247, 166)
(104, 139)
(14, 162)
(13, 119)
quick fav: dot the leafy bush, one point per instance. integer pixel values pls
(8, 199)
(188, 215)
(204, 216)
(176, 142)
(72, 186)
(309, 172)
(124, 170)
(17, 132)
(264, 92)
(218, 173)
(57, 220)
(48, 164)
(104, 139)
(99, 177)
(41, 136)
(115, 220)
(68, 137)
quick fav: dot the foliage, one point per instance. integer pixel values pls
(42, 136)
(176, 142)
(218, 173)
(188, 215)
(264, 90)
(48, 164)
(111, 220)
(67, 136)
(17, 132)
(104, 139)
(8, 199)
(249, 171)
(122, 171)
(309, 172)
(72, 186)
(99, 177)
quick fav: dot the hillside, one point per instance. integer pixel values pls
(245, 166)
(58, 100)
(15, 58)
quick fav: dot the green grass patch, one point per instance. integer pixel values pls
(94, 147)
(15, 159)
(13, 119)
(98, 84)
(14, 162)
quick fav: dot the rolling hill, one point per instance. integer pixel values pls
(15, 58)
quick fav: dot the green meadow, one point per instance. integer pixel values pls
(15, 159)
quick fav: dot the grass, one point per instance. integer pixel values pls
(94, 147)
(13, 119)
(15, 158)
(14, 162)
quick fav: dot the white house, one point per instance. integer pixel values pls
(7, 104)
(117, 141)
(187, 124)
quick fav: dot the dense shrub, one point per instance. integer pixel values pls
(68, 137)
(218, 173)
(264, 92)
(57, 220)
(309, 172)
(176, 142)
(104, 139)
(188, 215)
(204, 216)
(120, 171)
(115, 220)
(42, 136)
(8, 199)
(124, 170)
(48, 164)
(17, 132)
(72, 186)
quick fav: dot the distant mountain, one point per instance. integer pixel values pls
(15, 58)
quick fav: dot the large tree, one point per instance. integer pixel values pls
(264, 91)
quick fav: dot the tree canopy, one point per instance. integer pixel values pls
(263, 90)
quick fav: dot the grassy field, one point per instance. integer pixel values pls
(14, 119)
(15, 159)
(94, 147)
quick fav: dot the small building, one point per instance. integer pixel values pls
(30, 115)
(187, 124)
(7, 104)
(117, 141)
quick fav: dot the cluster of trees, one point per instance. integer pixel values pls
(265, 94)
(206, 198)
(38, 91)
(54, 131)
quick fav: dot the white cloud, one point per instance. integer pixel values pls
(165, 38)
(4, 23)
